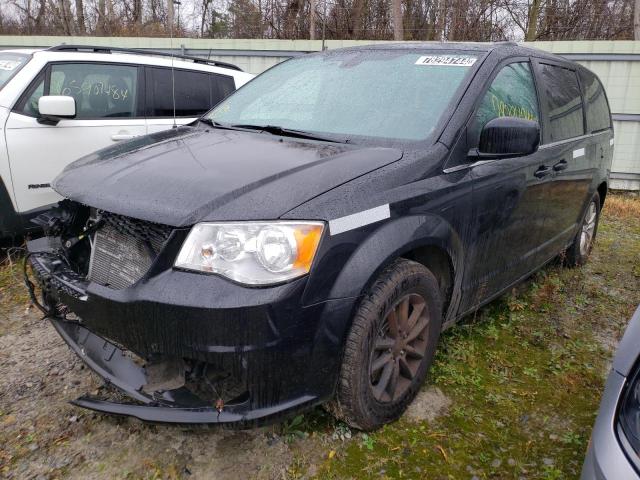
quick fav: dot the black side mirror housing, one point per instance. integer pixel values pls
(508, 137)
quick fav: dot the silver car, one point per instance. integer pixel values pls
(614, 452)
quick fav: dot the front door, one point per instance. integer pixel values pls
(107, 111)
(507, 193)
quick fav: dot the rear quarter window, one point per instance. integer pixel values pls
(595, 101)
(195, 92)
(563, 101)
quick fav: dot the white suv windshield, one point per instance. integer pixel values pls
(398, 95)
(10, 63)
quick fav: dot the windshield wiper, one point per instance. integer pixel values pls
(288, 132)
(214, 124)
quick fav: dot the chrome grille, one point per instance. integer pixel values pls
(124, 249)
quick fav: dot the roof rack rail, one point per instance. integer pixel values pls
(137, 51)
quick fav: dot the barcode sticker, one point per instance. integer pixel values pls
(446, 60)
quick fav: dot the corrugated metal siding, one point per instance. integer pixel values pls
(621, 77)
(621, 81)
(627, 148)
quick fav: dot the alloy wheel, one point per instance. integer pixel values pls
(399, 348)
(588, 229)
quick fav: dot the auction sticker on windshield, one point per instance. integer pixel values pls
(9, 64)
(447, 60)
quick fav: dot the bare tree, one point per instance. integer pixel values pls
(170, 14)
(312, 19)
(398, 30)
(636, 20)
(82, 28)
(464, 20)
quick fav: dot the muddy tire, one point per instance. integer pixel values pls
(580, 249)
(390, 346)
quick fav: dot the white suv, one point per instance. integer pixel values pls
(59, 104)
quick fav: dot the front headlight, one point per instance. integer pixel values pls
(254, 253)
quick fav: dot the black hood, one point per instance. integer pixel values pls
(182, 176)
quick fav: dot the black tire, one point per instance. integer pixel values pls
(578, 253)
(396, 294)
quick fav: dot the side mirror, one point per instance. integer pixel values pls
(54, 108)
(508, 137)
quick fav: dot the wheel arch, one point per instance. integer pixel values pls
(440, 263)
(426, 239)
(602, 191)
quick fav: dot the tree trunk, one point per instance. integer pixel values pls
(102, 14)
(205, 9)
(41, 14)
(398, 31)
(532, 23)
(312, 19)
(170, 15)
(110, 16)
(63, 11)
(636, 21)
(137, 15)
(290, 14)
(358, 8)
(82, 29)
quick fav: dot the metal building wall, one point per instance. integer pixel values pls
(617, 63)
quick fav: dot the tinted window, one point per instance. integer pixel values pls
(511, 94)
(195, 92)
(595, 100)
(398, 95)
(100, 90)
(564, 103)
(221, 87)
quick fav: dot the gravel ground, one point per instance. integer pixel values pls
(43, 437)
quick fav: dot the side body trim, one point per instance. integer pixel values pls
(359, 219)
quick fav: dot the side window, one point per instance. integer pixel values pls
(192, 93)
(28, 105)
(595, 102)
(511, 94)
(564, 103)
(100, 90)
(221, 87)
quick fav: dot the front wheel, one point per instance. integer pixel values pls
(390, 346)
(579, 251)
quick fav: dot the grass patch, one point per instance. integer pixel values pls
(12, 289)
(623, 206)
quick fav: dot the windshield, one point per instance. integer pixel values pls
(398, 95)
(10, 63)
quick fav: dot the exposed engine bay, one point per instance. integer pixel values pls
(84, 246)
(109, 249)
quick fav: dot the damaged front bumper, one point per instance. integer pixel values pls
(192, 348)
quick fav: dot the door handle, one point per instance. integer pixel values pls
(561, 165)
(542, 171)
(117, 137)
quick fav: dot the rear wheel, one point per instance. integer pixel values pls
(390, 346)
(582, 245)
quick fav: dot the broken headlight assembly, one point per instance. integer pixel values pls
(629, 412)
(252, 253)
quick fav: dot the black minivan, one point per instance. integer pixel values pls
(308, 239)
